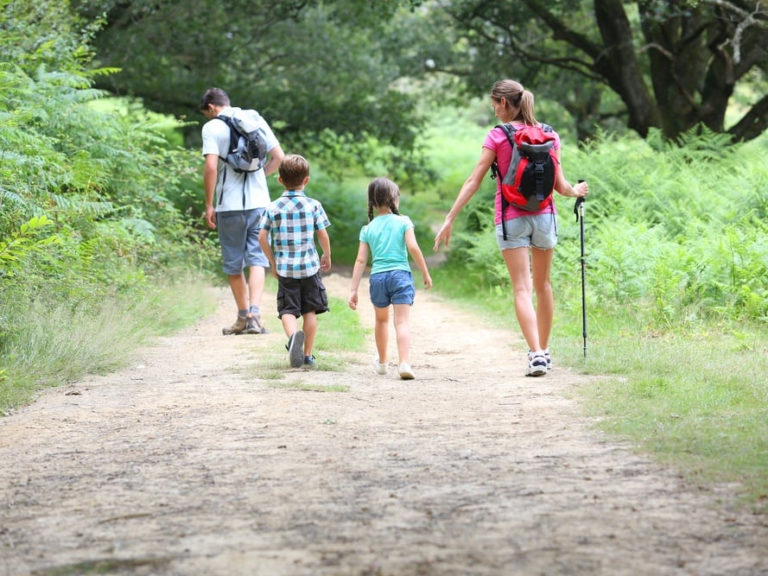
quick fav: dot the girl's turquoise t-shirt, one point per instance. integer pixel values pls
(385, 236)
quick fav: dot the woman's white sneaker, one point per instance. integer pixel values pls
(379, 367)
(405, 371)
(537, 364)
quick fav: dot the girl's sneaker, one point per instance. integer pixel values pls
(379, 367)
(537, 364)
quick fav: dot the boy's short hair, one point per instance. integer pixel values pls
(293, 170)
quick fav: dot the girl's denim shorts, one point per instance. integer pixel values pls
(391, 287)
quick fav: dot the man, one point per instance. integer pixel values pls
(240, 200)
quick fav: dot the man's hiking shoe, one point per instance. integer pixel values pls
(295, 349)
(254, 325)
(237, 328)
(537, 364)
(405, 371)
(379, 367)
(309, 361)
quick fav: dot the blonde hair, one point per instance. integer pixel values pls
(519, 101)
(382, 192)
(293, 169)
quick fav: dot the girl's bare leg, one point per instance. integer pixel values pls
(382, 332)
(403, 331)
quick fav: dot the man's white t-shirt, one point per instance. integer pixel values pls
(236, 191)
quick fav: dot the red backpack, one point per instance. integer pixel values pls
(532, 173)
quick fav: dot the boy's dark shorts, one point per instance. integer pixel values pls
(297, 296)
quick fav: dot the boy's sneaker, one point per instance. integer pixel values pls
(309, 361)
(254, 325)
(537, 364)
(405, 371)
(295, 349)
(379, 367)
(237, 328)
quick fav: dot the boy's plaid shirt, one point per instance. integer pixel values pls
(292, 219)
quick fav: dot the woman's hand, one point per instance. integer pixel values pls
(581, 189)
(444, 234)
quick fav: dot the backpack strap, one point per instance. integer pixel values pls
(234, 137)
(234, 132)
(509, 132)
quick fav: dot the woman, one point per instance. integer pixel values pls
(526, 239)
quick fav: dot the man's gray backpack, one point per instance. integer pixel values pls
(247, 144)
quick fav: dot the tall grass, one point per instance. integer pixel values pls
(56, 342)
(676, 298)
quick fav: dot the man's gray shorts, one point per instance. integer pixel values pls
(539, 231)
(239, 239)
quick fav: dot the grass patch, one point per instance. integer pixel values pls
(339, 331)
(309, 386)
(56, 343)
(695, 397)
(698, 401)
(339, 336)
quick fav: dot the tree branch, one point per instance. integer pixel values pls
(561, 31)
(753, 123)
(747, 19)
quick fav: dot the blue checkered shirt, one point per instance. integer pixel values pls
(292, 219)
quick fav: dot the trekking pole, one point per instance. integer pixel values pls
(578, 209)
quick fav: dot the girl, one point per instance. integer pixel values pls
(530, 236)
(390, 238)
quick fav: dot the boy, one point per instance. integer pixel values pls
(293, 220)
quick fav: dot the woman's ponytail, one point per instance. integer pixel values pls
(526, 114)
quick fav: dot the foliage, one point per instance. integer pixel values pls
(650, 64)
(678, 231)
(669, 394)
(322, 73)
(51, 343)
(85, 191)
(346, 203)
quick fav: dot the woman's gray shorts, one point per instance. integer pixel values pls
(538, 231)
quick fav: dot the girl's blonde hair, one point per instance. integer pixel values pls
(519, 101)
(382, 193)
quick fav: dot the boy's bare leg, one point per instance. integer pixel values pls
(382, 332)
(309, 322)
(290, 324)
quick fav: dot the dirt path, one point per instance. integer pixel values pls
(187, 463)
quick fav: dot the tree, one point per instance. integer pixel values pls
(318, 71)
(673, 64)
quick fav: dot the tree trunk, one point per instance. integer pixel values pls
(618, 64)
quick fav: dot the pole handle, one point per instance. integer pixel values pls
(578, 208)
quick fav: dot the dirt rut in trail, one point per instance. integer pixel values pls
(189, 463)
